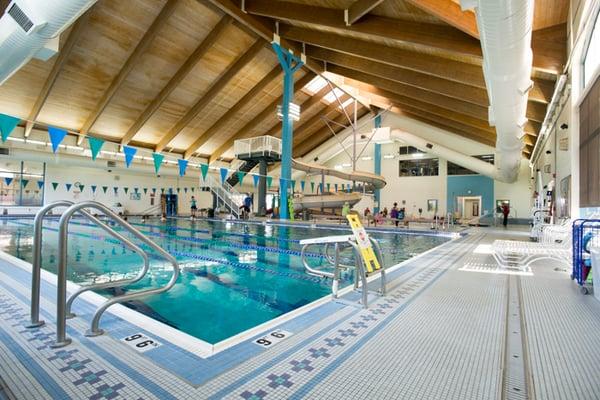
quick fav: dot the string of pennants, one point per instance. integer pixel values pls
(57, 135)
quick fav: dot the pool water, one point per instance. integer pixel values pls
(234, 276)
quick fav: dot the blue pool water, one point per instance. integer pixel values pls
(234, 275)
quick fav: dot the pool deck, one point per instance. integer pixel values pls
(452, 326)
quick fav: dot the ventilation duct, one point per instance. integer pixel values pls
(505, 28)
(28, 26)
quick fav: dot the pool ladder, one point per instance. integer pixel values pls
(340, 243)
(63, 305)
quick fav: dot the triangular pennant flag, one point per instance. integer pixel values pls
(129, 153)
(116, 190)
(204, 170)
(312, 187)
(126, 189)
(302, 184)
(224, 172)
(328, 187)
(153, 190)
(81, 187)
(136, 190)
(95, 146)
(162, 190)
(104, 189)
(8, 181)
(40, 184)
(343, 187)
(68, 186)
(145, 190)
(192, 190)
(7, 125)
(240, 175)
(256, 179)
(54, 185)
(293, 185)
(335, 186)
(321, 187)
(56, 137)
(158, 159)
(182, 166)
(269, 181)
(185, 190)
(178, 189)
(94, 187)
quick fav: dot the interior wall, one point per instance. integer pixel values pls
(120, 179)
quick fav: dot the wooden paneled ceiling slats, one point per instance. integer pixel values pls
(429, 36)
(214, 89)
(244, 101)
(62, 57)
(147, 39)
(258, 119)
(181, 73)
(359, 9)
(451, 13)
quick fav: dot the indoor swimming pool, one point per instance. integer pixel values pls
(234, 277)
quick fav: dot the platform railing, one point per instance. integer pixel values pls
(225, 193)
(257, 145)
(63, 305)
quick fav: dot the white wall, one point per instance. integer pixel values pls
(415, 191)
(121, 179)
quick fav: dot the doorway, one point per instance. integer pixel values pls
(469, 207)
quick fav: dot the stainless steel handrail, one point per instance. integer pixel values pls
(310, 270)
(36, 262)
(116, 283)
(61, 338)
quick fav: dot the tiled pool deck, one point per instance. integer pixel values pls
(444, 331)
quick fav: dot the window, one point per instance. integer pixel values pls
(22, 183)
(455, 169)
(591, 60)
(405, 150)
(419, 167)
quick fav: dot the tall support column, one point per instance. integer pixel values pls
(262, 188)
(289, 64)
(377, 166)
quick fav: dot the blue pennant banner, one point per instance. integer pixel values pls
(256, 179)
(56, 137)
(129, 153)
(224, 172)
(8, 181)
(302, 184)
(68, 186)
(7, 125)
(95, 146)
(40, 184)
(182, 166)
(94, 187)
(158, 159)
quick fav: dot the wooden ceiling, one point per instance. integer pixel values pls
(191, 76)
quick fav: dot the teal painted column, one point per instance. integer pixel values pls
(377, 166)
(289, 64)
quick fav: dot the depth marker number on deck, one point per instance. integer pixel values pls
(272, 338)
(141, 342)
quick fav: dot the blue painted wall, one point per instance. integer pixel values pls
(478, 185)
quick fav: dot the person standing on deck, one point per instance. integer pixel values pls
(394, 213)
(193, 207)
(505, 212)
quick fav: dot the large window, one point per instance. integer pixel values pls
(22, 183)
(591, 60)
(404, 150)
(455, 169)
(419, 167)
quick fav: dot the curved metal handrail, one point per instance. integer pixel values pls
(310, 270)
(36, 262)
(116, 283)
(61, 339)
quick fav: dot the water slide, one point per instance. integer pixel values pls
(333, 200)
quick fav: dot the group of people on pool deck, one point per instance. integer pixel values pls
(396, 215)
